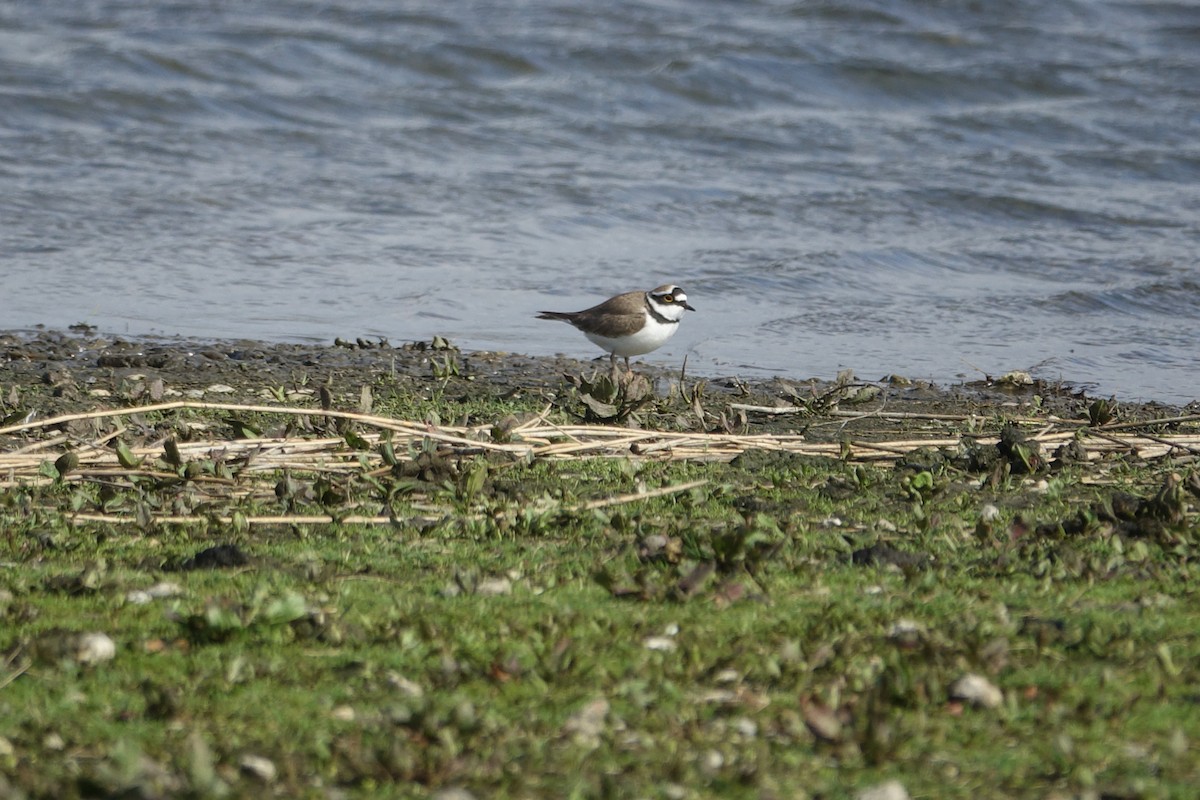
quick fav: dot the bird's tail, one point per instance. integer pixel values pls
(565, 316)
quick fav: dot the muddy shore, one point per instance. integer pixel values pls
(81, 369)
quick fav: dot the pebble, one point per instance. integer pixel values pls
(93, 648)
(164, 589)
(746, 727)
(406, 687)
(977, 690)
(663, 643)
(712, 761)
(727, 676)
(586, 724)
(989, 513)
(889, 790)
(140, 597)
(453, 793)
(906, 632)
(493, 587)
(258, 767)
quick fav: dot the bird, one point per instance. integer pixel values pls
(630, 324)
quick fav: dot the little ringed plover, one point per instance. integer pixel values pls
(630, 324)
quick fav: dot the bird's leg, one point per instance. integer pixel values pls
(627, 377)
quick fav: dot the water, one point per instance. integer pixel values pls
(939, 190)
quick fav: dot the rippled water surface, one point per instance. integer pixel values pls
(937, 190)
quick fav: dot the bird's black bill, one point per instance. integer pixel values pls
(685, 305)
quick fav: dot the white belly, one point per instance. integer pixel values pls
(650, 337)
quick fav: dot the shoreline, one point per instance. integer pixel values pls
(82, 363)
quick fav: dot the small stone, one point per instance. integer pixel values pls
(343, 713)
(6, 748)
(885, 525)
(977, 690)
(673, 791)
(258, 767)
(453, 793)
(586, 724)
(52, 741)
(662, 643)
(727, 676)
(220, 388)
(93, 648)
(746, 727)
(906, 632)
(989, 513)
(493, 587)
(406, 687)
(889, 790)
(140, 597)
(822, 721)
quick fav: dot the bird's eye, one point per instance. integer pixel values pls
(667, 298)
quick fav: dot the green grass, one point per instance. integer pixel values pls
(374, 660)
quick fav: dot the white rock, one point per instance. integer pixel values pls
(164, 589)
(140, 597)
(989, 513)
(727, 676)
(220, 388)
(663, 643)
(453, 793)
(93, 648)
(406, 687)
(746, 727)
(906, 631)
(259, 767)
(889, 790)
(493, 587)
(977, 690)
(586, 724)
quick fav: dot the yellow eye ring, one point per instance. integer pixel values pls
(668, 298)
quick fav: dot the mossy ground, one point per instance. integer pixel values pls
(790, 628)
